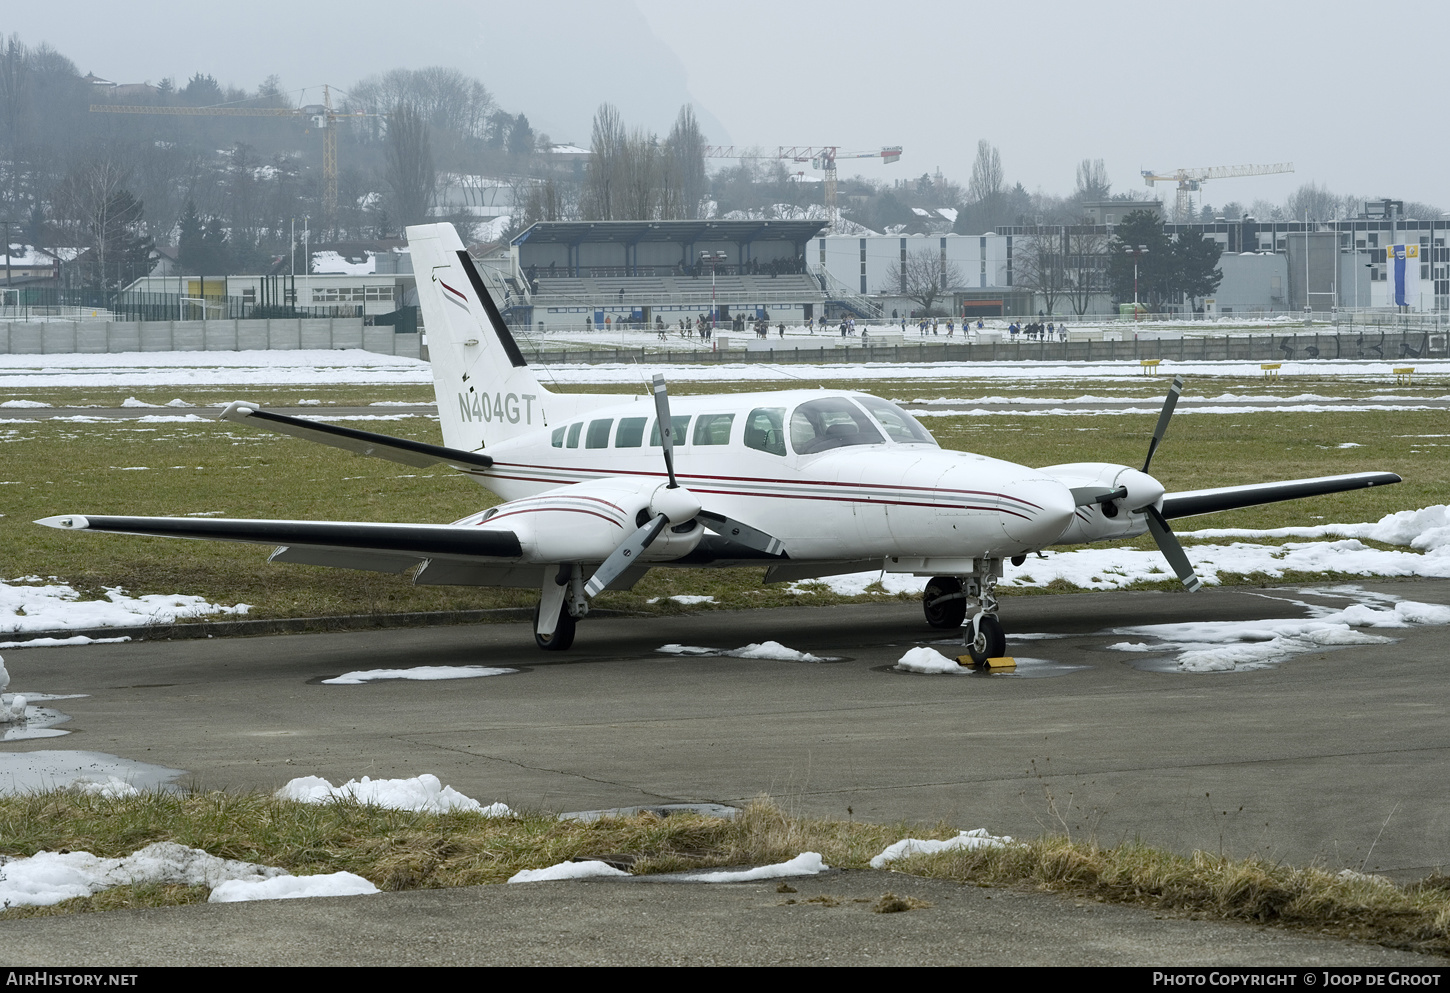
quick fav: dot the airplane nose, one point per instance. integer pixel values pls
(1042, 512)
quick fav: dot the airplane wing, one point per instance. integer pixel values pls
(1193, 502)
(349, 544)
(413, 453)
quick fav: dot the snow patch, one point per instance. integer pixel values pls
(966, 840)
(424, 794)
(804, 864)
(47, 878)
(292, 887)
(590, 869)
(424, 672)
(929, 660)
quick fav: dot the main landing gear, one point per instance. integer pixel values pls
(562, 604)
(946, 603)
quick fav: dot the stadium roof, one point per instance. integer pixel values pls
(685, 232)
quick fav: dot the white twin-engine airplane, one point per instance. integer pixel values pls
(808, 483)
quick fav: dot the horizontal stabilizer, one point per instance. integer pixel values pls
(422, 540)
(414, 453)
(1193, 502)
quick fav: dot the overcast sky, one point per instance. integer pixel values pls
(1321, 84)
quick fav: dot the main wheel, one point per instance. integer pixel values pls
(990, 643)
(563, 635)
(948, 613)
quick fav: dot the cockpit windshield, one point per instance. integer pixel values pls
(831, 422)
(900, 426)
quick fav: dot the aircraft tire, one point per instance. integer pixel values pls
(562, 638)
(991, 641)
(944, 615)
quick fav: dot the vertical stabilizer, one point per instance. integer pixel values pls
(486, 392)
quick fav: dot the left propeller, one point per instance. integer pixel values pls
(672, 505)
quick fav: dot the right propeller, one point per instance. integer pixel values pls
(673, 504)
(1157, 523)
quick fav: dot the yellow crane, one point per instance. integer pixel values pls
(1189, 181)
(322, 117)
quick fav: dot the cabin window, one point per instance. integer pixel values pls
(678, 425)
(765, 430)
(833, 422)
(574, 430)
(598, 436)
(713, 429)
(900, 426)
(558, 437)
(631, 432)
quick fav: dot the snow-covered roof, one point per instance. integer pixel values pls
(329, 262)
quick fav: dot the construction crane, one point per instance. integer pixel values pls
(322, 117)
(1189, 180)
(821, 157)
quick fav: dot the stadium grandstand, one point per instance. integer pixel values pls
(653, 273)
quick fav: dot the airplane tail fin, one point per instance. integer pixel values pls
(485, 390)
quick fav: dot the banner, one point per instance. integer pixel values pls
(1402, 270)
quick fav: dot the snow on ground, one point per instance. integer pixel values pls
(590, 869)
(804, 864)
(55, 606)
(47, 878)
(966, 840)
(292, 887)
(1225, 646)
(765, 650)
(304, 367)
(929, 660)
(425, 794)
(424, 672)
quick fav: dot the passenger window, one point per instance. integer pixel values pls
(679, 425)
(558, 437)
(574, 430)
(631, 432)
(833, 422)
(598, 436)
(900, 426)
(713, 429)
(765, 430)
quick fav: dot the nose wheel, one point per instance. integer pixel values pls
(990, 641)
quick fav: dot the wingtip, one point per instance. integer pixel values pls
(238, 409)
(72, 522)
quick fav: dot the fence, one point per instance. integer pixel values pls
(51, 337)
(1389, 346)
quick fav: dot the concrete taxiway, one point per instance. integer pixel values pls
(1338, 756)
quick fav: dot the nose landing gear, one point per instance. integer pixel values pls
(946, 603)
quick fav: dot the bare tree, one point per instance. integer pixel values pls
(685, 148)
(988, 185)
(1039, 263)
(108, 220)
(1085, 266)
(411, 173)
(1092, 181)
(927, 276)
(602, 178)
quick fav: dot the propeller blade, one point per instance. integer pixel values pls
(1084, 496)
(743, 533)
(667, 427)
(1171, 549)
(625, 555)
(1169, 403)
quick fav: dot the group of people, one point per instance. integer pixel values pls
(1037, 331)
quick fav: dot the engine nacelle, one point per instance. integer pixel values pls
(1119, 517)
(587, 521)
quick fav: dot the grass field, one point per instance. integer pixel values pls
(399, 850)
(219, 469)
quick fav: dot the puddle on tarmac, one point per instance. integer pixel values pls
(33, 772)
